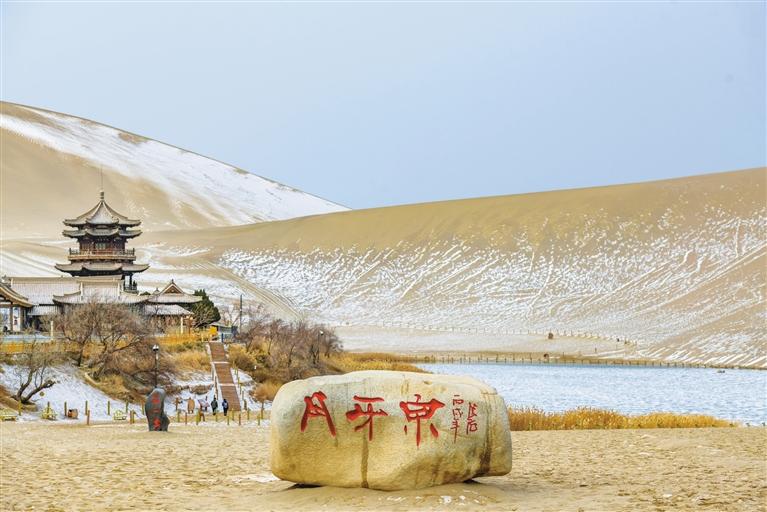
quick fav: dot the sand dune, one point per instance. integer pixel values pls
(677, 266)
(215, 467)
(51, 169)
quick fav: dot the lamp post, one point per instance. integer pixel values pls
(156, 350)
(319, 344)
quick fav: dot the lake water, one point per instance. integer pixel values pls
(739, 395)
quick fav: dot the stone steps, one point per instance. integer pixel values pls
(226, 384)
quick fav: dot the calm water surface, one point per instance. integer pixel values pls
(739, 395)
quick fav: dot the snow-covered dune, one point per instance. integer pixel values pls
(677, 266)
(51, 169)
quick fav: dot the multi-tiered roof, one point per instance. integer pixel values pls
(102, 233)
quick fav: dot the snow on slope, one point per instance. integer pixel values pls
(70, 388)
(679, 267)
(221, 194)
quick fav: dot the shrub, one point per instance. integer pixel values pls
(266, 391)
(241, 358)
(191, 360)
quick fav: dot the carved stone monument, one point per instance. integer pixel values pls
(154, 408)
(388, 430)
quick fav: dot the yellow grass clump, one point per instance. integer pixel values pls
(191, 360)
(584, 418)
(266, 391)
(351, 362)
(240, 358)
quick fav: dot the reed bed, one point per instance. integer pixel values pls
(585, 418)
(351, 362)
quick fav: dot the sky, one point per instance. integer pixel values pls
(382, 103)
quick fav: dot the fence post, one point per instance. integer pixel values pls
(65, 409)
(109, 408)
(239, 417)
(132, 417)
(178, 416)
(87, 417)
(86, 408)
(227, 418)
(126, 407)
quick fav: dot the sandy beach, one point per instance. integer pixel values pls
(217, 467)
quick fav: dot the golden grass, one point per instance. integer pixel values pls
(114, 386)
(583, 418)
(266, 391)
(241, 358)
(351, 362)
(191, 360)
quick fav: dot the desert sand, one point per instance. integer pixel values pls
(217, 467)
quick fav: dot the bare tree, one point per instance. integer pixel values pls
(32, 369)
(117, 329)
(76, 325)
(330, 343)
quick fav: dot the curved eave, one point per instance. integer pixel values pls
(78, 298)
(95, 232)
(175, 299)
(69, 267)
(102, 213)
(101, 267)
(15, 297)
(135, 267)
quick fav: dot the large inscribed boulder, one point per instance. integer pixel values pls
(388, 430)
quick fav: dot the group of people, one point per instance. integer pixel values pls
(203, 405)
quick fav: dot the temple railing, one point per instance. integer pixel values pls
(101, 254)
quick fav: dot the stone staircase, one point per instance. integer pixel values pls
(227, 388)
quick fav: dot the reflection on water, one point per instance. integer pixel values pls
(739, 395)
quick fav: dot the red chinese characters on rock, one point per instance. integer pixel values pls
(457, 415)
(317, 410)
(471, 421)
(355, 413)
(418, 411)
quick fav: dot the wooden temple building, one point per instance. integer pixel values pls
(101, 270)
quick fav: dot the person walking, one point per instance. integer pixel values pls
(214, 405)
(225, 406)
(190, 405)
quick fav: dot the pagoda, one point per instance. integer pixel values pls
(102, 233)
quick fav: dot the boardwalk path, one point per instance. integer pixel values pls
(227, 386)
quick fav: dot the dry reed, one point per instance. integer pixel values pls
(583, 418)
(351, 362)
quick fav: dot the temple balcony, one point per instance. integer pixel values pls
(102, 254)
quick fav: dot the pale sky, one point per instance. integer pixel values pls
(372, 104)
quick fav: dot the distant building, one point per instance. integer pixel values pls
(102, 270)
